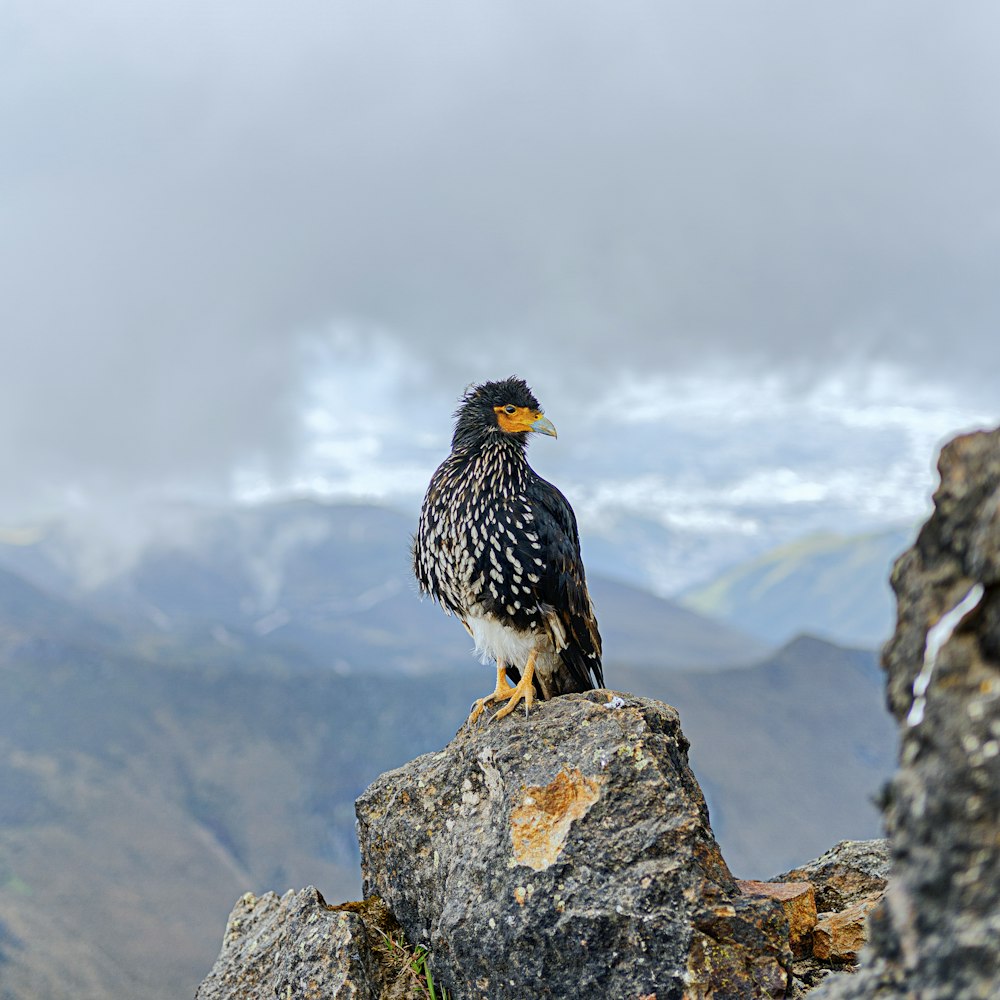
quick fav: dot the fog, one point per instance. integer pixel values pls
(251, 249)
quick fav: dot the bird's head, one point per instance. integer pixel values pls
(508, 407)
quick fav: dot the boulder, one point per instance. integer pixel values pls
(798, 902)
(843, 885)
(300, 947)
(568, 854)
(851, 871)
(838, 937)
(936, 933)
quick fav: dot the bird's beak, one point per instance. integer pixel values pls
(544, 426)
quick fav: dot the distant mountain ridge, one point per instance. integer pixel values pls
(828, 585)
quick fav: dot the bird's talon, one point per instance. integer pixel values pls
(502, 691)
(478, 707)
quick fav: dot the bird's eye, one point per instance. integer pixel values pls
(509, 408)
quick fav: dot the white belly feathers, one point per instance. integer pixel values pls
(495, 641)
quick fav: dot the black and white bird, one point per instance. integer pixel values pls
(498, 546)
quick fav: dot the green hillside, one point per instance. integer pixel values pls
(827, 585)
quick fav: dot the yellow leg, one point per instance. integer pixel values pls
(503, 690)
(523, 691)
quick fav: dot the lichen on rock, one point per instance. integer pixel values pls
(540, 825)
(569, 854)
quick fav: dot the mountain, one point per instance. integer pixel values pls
(329, 585)
(828, 585)
(28, 612)
(147, 786)
(140, 797)
(790, 753)
(641, 549)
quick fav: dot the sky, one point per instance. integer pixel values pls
(748, 256)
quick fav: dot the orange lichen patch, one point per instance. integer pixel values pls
(798, 900)
(540, 825)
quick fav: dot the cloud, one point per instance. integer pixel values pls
(571, 191)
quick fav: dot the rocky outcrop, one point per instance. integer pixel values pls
(300, 947)
(564, 855)
(936, 934)
(296, 942)
(843, 885)
(569, 854)
(852, 872)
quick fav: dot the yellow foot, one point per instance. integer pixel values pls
(502, 691)
(523, 691)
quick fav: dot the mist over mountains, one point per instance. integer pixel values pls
(260, 575)
(828, 585)
(327, 586)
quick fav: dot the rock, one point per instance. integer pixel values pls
(798, 902)
(838, 937)
(843, 884)
(936, 934)
(851, 871)
(569, 854)
(300, 947)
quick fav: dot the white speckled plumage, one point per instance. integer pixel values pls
(488, 517)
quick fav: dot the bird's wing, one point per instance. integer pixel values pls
(562, 584)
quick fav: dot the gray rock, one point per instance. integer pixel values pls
(301, 948)
(936, 934)
(851, 871)
(568, 855)
(847, 882)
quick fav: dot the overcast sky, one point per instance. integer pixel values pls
(258, 244)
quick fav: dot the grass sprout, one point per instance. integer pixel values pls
(416, 962)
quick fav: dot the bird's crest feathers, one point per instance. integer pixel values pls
(476, 414)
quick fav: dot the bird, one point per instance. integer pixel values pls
(498, 546)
